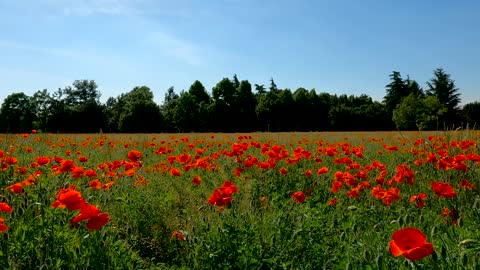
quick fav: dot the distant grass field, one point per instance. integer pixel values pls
(329, 200)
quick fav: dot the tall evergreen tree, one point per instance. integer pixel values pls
(396, 90)
(443, 87)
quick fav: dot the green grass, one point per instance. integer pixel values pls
(250, 233)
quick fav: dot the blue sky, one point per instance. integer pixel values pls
(336, 46)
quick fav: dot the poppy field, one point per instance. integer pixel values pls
(371, 200)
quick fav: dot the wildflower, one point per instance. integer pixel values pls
(391, 195)
(298, 196)
(219, 199)
(353, 193)
(67, 165)
(43, 161)
(86, 213)
(95, 184)
(174, 172)
(336, 186)
(443, 189)
(228, 188)
(322, 170)
(178, 235)
(332, 202)
(197, 180)
(283, 171)
(16, 188)
(3, 227)
(419, 199)
(134, 155)
(410, 243)
(69, 198)
(450, 217)
(90, 173)
(466, 184)
(108, 185)
(223, 195)
(97, 222)
(4, 207)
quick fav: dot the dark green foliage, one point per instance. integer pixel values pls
(443, 87)
(357, 113)
(233, 106)
(17, 113)
(139, 112)
(418, 113)
(471, 114)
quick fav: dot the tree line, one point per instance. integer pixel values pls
(237, 106)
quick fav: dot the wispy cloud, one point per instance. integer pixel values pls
(91, 7)
(179, 49)
(178, 8)
(19, 46)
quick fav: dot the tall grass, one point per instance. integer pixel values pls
(262, 227)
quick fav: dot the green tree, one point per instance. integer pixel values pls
(191, 110)
(42, 102)
(418, 113)
(260, 89)
(17, 113)
(274, 111)
(443, 87)
(273, 87)
(406, 114)
(223, 109)
(246, 104)
(471, 114)
(357, 113)
(412, 87)
(138, 111)
(235, 81)
(396, 90)
(168, 110)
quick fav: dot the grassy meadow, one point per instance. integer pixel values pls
(240, 201)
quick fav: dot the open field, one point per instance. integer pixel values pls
(242, 201)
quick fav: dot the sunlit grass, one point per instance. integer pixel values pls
(157, 200)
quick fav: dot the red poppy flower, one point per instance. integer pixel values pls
(411, 243)
(197, 180)
(283, 171)
(443, 189)
(97, 222)
(43, 161)
(3, 227)
(353, 193)
(332, 202)
(219, 199)
(178, 235)
(419, 199)
(87, 212)
(134, 155)
(174, 172)
(16, 188)
(228, 188)
(4, 207)
(69, 198)
(298, 196)
(95, 184)
(322, 170)
(67, 165)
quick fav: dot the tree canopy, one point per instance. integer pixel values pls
(233, 106)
